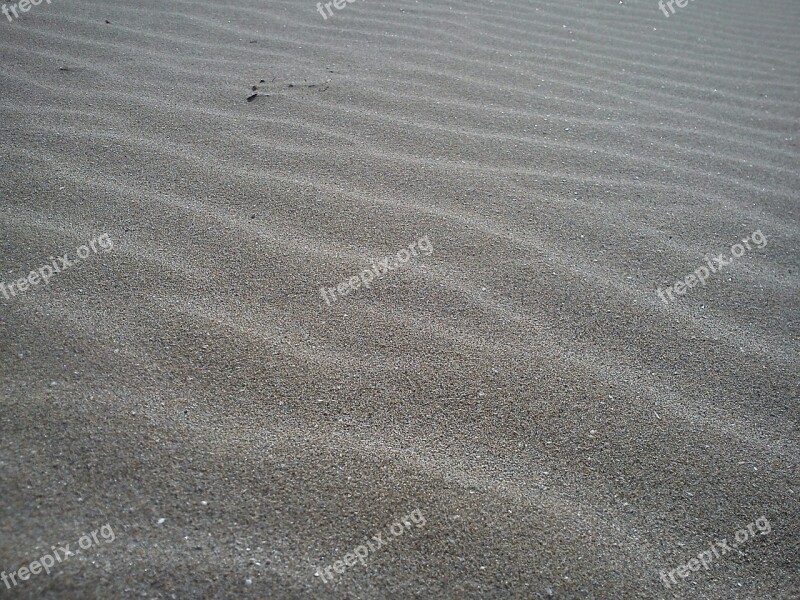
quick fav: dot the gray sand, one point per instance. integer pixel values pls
(564, 432)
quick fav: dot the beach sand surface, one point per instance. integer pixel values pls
(564, 432)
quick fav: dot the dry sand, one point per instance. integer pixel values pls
(564, 432)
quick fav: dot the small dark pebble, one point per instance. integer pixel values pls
(252, 216)
(253, 41)
(253, 97)
(291, 85)
(64, 69)
(108, 22)
(261, 81)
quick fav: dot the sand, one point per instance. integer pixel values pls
(564, 432)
